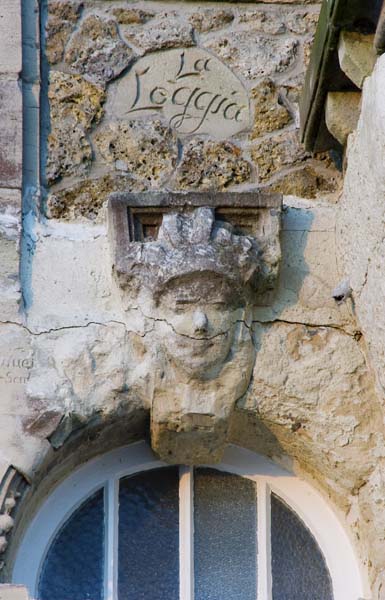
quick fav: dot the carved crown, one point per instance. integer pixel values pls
(233, 238)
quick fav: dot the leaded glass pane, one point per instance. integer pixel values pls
(225, 541)
(149, 536)
(73, 567)
(298, 566)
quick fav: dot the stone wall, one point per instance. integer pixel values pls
(91, 151)
(75, 365)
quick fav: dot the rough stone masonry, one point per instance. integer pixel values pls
(75, 368)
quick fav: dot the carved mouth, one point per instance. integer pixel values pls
(205, 350)
(202, 337)
(208, 338)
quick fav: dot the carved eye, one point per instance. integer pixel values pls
(182, 304)
(219, 304)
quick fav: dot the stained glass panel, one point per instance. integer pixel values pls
(73, 567)
(225, 541)
(149, 536)
(298, 566)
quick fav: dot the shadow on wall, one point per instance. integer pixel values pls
(248, 428)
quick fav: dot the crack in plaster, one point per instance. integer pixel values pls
(155, 320)
(310, 325)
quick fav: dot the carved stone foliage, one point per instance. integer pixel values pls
(195, 264)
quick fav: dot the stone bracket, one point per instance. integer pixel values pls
(325, 72)
(198, 263)
(342, 112)
(356, 56)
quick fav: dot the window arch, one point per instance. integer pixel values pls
(246, 518)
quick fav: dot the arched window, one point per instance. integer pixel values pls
(125, 526)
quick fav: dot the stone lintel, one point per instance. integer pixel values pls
(171, 200)
(356, 55)
(342, 113)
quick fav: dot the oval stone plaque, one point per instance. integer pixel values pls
(188, 87)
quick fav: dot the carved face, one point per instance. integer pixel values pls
(201, 314)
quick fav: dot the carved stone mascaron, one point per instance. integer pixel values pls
(196, 263)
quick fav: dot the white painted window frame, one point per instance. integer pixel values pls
(349, 581)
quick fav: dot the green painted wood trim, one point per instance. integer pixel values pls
(379, 40)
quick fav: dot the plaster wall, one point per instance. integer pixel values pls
(360, 245)
(73, 355)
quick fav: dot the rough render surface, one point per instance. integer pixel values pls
(361, 251)
(79, 358)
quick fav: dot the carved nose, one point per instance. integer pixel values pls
(200, 322)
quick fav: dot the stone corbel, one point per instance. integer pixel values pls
(356, 57)
(197, 264)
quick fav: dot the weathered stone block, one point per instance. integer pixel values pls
(97, 51)
(86, 199)
(356, 55)
(308, 181)
(264, 21)
(302, 23)
(208, 165)
(162, 32)
(11, 140)
(147, 150)
(62, 17)
(10, 36)
(269, 113)
(280, 21)
(254, 56)
(75, 105)
(72, 95)
(131, 16)
(211, 19)
(274, 154)
(342, 111)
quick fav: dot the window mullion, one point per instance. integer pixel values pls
(264, 541)
(111, 545)
(186, 533)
